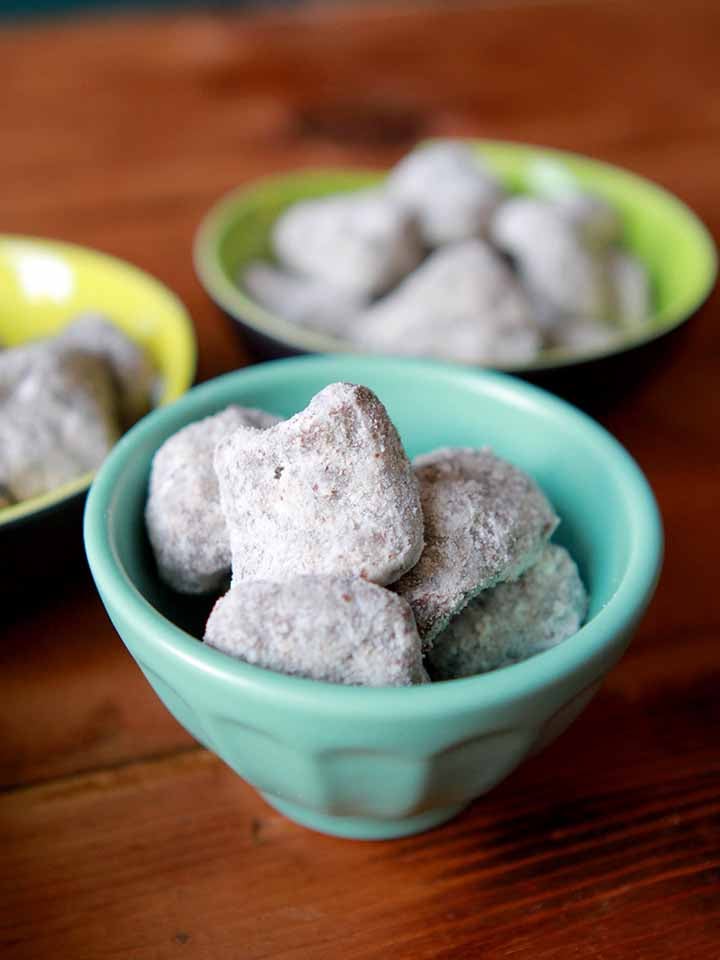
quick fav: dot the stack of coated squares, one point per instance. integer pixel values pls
(440, 261)
(338, 559)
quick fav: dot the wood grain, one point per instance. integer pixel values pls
(120, 837)
(189, 856)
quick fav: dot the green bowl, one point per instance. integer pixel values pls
(44, 283)
(665, 234)
(375, 763)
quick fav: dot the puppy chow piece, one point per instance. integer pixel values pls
(77, 394)
(306, 301)
(6, 497)
(514, 620)
(462, 304)
(582, 335)
(449, 190)
(132, 370)
(32, 461)
(19, 362)
(184, 521)
(597, 222)
(562, 274)
(485, 522)
(630, 287)
(337, 629)
(361, 242)
(57, 418)
(329, 491)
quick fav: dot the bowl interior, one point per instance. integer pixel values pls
(609, 522)
(44, 284)
(658, 228)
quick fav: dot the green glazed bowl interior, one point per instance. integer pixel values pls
(45, 283)
(664, 233)
(366, 762)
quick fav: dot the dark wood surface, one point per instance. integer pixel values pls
(119, 836)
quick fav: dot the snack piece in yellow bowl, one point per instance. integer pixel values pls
(44, 285)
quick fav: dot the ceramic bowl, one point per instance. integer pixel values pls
(659, 229)
(376, 763)
(43, 285)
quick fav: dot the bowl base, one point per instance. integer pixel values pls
(363, 828)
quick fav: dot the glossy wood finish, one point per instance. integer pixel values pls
(120, 838)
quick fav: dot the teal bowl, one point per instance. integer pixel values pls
(378, 763)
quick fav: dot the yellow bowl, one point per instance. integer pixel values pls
(44, 284)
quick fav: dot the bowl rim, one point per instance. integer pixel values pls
(248, 312)
(507, 684)
(45, 503)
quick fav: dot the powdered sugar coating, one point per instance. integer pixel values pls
(630, 286)
(597, 222)
(184, 521)
(57, 417)
(362, 242)
(450, 191)
(514, 620)
(485, 521)
(563, 274)
(132, 370)
(32, 462)
(17, 362)
(307, 301)
(583, 335)
(329, 491)
(462, 304)
(337, 629)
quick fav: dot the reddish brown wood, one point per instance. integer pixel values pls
(121, 838)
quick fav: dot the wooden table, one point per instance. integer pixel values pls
(121, 838)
